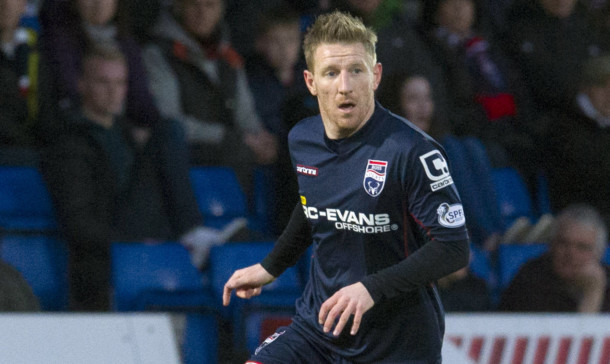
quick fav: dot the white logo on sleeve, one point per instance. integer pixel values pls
(451, 216)
(436, 169)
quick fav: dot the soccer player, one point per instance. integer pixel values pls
(379, 206)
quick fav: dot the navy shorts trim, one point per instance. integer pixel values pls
(288, 345)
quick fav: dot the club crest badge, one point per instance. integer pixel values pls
(374, 177)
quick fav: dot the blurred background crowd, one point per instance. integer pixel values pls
(115, 101)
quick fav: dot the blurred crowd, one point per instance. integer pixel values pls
(116, 99)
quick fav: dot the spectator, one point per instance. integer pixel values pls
(275, 71)
(242, 18)
(111, 181)
(577, 159)
(275, 75)
(470, 160)
(413, 99)
(15, 293)
(19, 74)
(72, 27)
(489, 96)
(198, 79)
(400, 47)
(486, 90)
(570, 277)
(549, 40)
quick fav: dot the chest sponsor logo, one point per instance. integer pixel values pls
(307, 170)
(451, 216)
(374, 177)
(351, 220)
(436, 169)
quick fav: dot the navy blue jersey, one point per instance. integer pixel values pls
(372, 200)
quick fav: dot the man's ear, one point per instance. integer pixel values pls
(309, 81)
(377, 70)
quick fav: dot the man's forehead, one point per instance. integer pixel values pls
(572, 231)
(341, 52)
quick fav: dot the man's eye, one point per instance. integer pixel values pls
(331, 73)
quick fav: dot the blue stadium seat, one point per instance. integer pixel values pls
(227, 258)
(512, 256)
(157, 277)
(277, 297)
(25, 202)
(200, 339)
(263, 197)
(480, 263)
(514, 199)
(481, 169)
(219, 195)
(607, 256)
(43, 262)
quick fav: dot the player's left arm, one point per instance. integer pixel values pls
(429, 263)
(446, 252)
(434, 205)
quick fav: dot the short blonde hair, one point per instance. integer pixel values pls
(338, 27)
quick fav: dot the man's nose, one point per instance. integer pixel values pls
(345, 82)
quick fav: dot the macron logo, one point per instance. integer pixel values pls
(306, 170)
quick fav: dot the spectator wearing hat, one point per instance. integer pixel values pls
(577, 158)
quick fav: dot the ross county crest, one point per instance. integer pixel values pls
(374, 177)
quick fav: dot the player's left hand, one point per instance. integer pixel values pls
(351, 300)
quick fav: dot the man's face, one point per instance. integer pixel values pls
(97, 12)
(344, 80)
(417, 103)
(456, 15)
(281, 45)
(103, 86)
(574, 249)
(10, 14)
(559, 8)
(200, 17)
(600, 97)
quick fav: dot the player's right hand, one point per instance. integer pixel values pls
(247, 282)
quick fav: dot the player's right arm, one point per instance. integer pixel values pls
(246, 283)
(293, 242)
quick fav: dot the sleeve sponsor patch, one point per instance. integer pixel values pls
(451, 216)
(436, 169)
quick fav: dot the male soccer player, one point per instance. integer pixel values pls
(381, 210)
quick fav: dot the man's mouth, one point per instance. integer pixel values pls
(346, 106)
